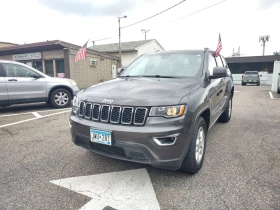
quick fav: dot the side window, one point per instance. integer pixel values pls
(211, 64)
(226, 65)
(1, 71)
(14, 70)
(219, 61)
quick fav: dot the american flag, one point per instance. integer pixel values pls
(82, 53)
(220, 46)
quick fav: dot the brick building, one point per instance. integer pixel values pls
(56, 58)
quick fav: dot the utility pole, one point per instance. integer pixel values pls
(264, 39)
(120, 49)
(145, 31)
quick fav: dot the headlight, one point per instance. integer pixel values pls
(168, 111)
(76, 102)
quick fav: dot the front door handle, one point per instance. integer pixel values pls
(12, 80)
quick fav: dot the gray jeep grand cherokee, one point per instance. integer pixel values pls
(158, 111)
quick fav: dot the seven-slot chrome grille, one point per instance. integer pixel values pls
(113, 114)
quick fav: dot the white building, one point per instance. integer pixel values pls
(130, 50)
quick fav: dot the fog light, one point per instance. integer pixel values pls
(166, 140)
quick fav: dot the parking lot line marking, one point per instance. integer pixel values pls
(35, 118)
(270, 93)
(49, 110)
(130, 189)
(36, 114)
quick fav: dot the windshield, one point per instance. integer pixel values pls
(179, 64)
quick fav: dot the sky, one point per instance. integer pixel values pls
(239, 22)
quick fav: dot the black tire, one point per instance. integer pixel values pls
(225, 117)
(190, 163)
(278, 90)
(258, 83)
(53, 98)
(243, 83)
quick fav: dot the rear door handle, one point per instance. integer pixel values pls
(12, 80)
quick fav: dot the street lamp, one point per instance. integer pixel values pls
(145, 31)
(264, 39)
(120, 50)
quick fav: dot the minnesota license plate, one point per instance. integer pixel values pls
(101, 137)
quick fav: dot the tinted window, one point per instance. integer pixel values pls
(251, 72)
(219, 61)
(166, 64)
(212, 64)
(14, 70)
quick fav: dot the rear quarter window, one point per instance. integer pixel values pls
(251, 72)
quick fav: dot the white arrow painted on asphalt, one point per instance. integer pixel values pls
(120, 190)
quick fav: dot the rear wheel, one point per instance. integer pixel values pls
(60, 98)
(195, 156)
(258, 83)
(243, 83)
(225, 117)
(278, 91)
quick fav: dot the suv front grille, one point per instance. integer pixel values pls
(113, 114)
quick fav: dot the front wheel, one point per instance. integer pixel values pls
(60, 98)
(225, 117)
(278, 91)
(195, 156)
(243, 83)
(258, 83)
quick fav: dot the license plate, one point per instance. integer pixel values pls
(101, 137)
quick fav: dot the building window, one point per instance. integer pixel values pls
(38, 65)
(60, 70)
(49, 68)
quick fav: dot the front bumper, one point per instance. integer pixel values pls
(136, 143)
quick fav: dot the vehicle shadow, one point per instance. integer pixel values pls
(25, 108)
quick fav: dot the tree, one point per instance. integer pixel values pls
(276, 53)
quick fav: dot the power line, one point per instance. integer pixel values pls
(154, 15)
(197, 11)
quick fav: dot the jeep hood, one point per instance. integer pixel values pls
(140, 91)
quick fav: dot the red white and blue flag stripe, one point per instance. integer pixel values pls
(220, 46)
(82, 53)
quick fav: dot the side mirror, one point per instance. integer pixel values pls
(36, 76)
(120, 70)
(218, 72)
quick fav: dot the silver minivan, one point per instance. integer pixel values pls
(20, 83)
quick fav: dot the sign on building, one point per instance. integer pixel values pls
(27, 56)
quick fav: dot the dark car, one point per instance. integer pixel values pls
(158, 111)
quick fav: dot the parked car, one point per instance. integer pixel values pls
(158, 111)
(20, 83)
(251, 77)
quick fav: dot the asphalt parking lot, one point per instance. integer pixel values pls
(241, 168)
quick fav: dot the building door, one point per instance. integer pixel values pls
(114, 71)
(49, 68)
(22, 85)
